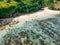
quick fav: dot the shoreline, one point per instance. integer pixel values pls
(46, 13)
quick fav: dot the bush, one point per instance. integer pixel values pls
(1, 0)
(6, 9)
(46, 2)
(34, 5)
(55, 5)
(17, 0)
(26, 6)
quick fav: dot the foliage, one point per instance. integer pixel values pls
(55, 5)
(29, 6)
(6, 9)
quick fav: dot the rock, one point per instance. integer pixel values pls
(5, 21)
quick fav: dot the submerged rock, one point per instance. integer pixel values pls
(34, 32)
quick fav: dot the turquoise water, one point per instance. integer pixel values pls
(40, 32)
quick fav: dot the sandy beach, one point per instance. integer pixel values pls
(5, 23)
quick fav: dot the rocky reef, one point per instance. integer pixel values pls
(34, 32)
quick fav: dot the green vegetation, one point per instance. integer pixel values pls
(7, 7)
(55, 5)
(29, 6)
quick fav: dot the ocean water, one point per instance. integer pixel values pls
(38, 31)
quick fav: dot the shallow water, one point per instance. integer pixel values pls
(44, 31)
